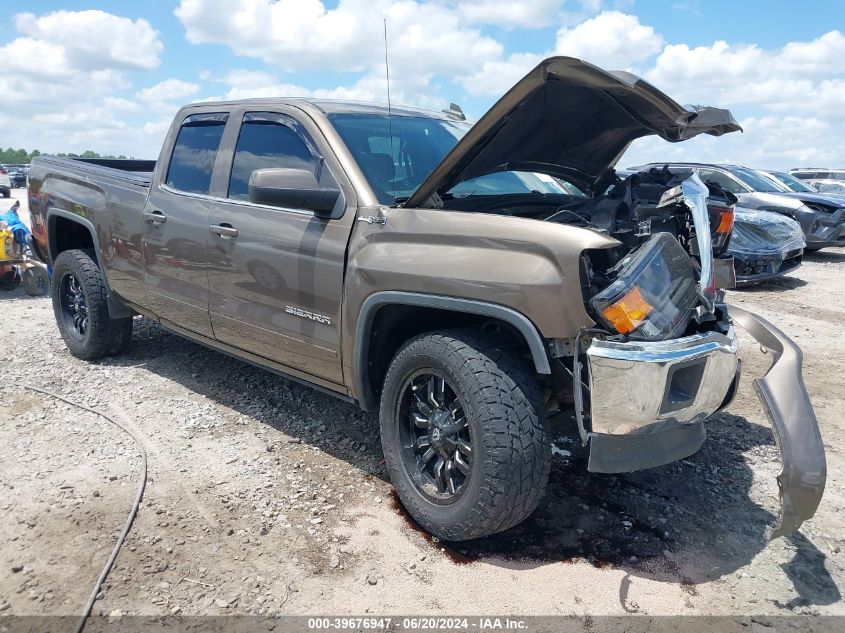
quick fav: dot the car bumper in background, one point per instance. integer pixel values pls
(752, 269)
(822, 230)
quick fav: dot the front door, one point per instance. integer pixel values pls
(276, 274)
(176, 226)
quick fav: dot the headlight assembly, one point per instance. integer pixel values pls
(654, 293)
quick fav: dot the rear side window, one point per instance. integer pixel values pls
(194, 153)
(267, 141)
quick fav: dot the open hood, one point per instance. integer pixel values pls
(570, 119)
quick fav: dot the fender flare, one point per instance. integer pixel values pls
(117, 309)
(371, 305)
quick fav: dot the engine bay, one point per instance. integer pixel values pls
(648, 286)
(631, 209)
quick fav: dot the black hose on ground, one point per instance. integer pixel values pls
(132, 513)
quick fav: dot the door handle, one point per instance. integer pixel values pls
(155, 217)
(226, 231)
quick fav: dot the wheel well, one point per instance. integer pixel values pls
(395, 324)
(65, 235)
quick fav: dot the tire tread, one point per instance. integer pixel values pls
(517, 439)
(107, 336)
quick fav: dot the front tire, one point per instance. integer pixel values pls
(80, 305)
(465, 434)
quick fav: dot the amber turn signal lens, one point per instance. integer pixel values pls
(629, 312)
(726, 223)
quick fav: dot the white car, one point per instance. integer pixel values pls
(836, 187)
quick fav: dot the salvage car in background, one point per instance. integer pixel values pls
(764, 245)
(18, 174)
(822, 218)
(785, 179)
(818, 173)
(5, 184)
(832, 187)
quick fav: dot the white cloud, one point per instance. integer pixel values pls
(496, 77)
(822, 56)
(790, 98)
(93, 40)
(611, 40)
(63, 74)
(424, 37)
(167, 91)
(119, 104)
(67, 57)
(799, 78)
(252, 84)
(510, 14)
(769, 142)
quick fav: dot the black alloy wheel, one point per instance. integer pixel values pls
(81, 306)
(74, 306)
(436, 438)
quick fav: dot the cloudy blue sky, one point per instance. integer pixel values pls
(109, 75)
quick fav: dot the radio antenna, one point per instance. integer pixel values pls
(389, 109)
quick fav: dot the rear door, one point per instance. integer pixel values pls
(276, 274)
(176, 224)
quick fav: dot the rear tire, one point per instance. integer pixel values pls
(486, 403)
(36, 281)
(80, 305)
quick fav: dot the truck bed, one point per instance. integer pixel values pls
(104, 196)
(129, 171)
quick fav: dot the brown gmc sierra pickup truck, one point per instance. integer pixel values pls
(466, 281)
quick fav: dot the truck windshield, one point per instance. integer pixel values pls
(396, 156)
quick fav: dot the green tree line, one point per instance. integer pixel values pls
(21, 156)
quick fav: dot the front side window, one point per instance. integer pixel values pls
(266, 142)
(194, 153)
(722, 180)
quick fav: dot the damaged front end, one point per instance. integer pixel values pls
(665, 358)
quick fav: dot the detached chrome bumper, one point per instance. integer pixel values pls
(784, 396)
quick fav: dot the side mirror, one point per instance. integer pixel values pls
(292, 188)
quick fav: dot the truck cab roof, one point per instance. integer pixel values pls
(328, 106)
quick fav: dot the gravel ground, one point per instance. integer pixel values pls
(267, 497)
